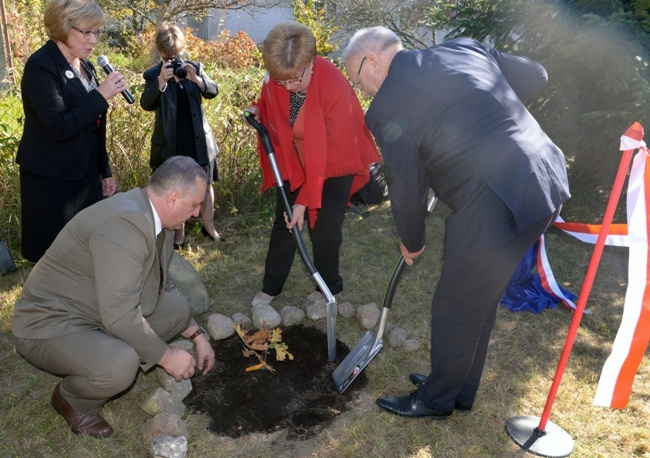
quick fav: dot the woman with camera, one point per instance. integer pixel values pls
(174, 89)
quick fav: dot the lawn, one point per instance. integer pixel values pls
(523, 357)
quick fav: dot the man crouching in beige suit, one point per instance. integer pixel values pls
(98, 305)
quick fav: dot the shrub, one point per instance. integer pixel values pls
(233, 62)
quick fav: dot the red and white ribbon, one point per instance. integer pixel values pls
(617, 376)
(547, 278)
(588, 233)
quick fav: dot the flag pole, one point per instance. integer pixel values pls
(545, 438)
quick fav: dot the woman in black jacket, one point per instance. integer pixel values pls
(62, 155)
(174, 89)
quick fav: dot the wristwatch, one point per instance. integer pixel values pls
(196, 334)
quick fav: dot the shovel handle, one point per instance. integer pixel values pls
(268, 147)
(387, 301)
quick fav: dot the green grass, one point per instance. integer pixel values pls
(523, 357)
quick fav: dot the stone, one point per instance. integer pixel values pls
(167, 424)
(177, 390)
(189, 284)
(346, 310)
(164, 446)
(291, 315)
(314, 298)
(410, 345)
(315, 307)
(397, 337)
(367, 315)
(160, 401)
(265, 314)
(242, 320)
(183, 344)
(220, 326)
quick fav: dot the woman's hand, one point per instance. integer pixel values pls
(108, 186)
(255, 111)
(193, 76)
(112, 85)
(166, 73)
(298, 217)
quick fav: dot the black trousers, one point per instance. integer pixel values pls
(463, 314)
(326, 237)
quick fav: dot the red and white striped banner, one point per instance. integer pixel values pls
(617, 376)
(547, 278)
(617, 235)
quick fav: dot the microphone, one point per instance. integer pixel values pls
(102, 61)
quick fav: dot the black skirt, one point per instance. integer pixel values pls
(47, 204)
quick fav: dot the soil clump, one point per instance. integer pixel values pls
(300, 397)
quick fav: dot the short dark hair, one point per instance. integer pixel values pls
(177, 172)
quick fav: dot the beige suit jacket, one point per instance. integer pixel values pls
(102, 272)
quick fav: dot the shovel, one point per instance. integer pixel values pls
(370, 344)
(330, 301)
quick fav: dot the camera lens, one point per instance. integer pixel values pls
(180, 72)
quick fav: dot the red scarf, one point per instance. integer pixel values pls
(337, 141)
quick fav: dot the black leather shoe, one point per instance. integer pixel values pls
(418, 379)
(411, 406)
(93, 425)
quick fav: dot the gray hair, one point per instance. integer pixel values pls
(176, 173)
(371, 39)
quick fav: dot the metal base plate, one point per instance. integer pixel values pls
(554, 442)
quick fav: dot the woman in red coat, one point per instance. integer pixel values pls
(322, 147)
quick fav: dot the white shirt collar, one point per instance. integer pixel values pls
(156, 220)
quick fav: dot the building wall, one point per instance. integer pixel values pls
(256, 24)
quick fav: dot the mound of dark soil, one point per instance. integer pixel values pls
(300, 397)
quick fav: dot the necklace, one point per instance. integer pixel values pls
(301, 95)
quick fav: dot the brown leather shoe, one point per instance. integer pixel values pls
(93, 425)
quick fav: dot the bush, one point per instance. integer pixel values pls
(233, 62)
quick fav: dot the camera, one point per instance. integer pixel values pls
(177, 65)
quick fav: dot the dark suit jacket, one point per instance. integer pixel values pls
(64, 123)
(451, 117)
(102, 272)
(163, 140)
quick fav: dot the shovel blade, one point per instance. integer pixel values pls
(362, 353)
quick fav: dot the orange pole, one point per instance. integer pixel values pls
(589, 278)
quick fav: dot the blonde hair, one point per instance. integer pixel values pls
(61, 15)
(169, 39)
(288, 49)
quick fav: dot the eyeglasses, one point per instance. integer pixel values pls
(298, 80)
(89, 33)
(355, 83)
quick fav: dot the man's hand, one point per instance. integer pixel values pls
(408, 256)
(178, 363)
(205, 354)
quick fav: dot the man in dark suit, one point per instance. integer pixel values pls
(98, 305)
(451, 118)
